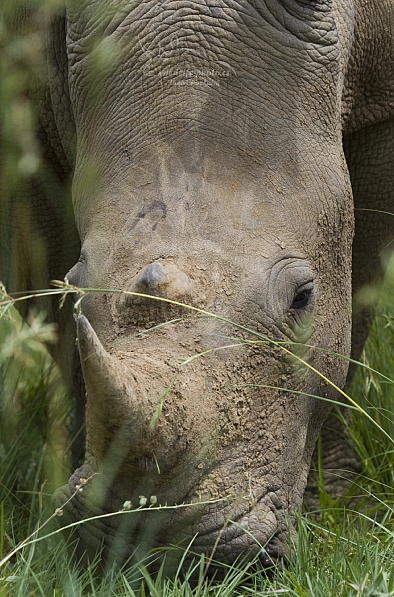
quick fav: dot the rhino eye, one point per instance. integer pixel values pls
(302, 296)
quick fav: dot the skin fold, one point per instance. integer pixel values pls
(218, 150)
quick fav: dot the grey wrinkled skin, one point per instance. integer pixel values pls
(216, 148)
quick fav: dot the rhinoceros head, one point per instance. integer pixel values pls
(218, 182)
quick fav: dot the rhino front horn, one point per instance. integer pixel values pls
(116, 398)
(111, 391)
(121, 399)
(103, 373)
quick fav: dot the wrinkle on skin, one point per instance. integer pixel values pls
(246, 71)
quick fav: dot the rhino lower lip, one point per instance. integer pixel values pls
(272, 551)
(272, 555)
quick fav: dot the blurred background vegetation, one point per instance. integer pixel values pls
(342, 551)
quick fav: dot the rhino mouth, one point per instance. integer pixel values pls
(269, 537)
(138, 535)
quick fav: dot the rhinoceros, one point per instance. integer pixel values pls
(229, 162)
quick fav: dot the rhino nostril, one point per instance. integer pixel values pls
(265, 560)
(272, 554)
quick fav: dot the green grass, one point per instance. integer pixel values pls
(340, 552)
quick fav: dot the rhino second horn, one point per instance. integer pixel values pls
(162, 279)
